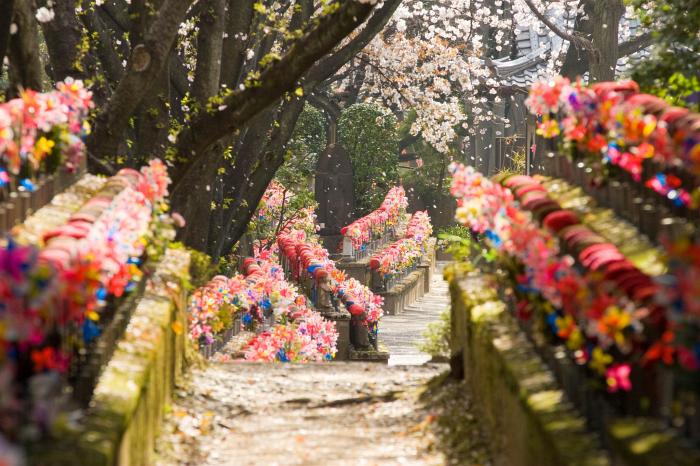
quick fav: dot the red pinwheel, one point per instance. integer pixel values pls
(516, 181)
(558, 220)
(535, 187)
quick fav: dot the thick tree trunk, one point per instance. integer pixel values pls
(153, 121)
(235, 179)
(64, 40)
(239, 16)
(209, 48)
(254, 169)
(192, 198)
(278, 78)
(606, 27)
(578, 61)
(7, 8)
(145, 64)
(267, 163)
(109, 60)
(152, 117)
(25, 63)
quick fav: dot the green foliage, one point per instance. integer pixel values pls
(517, 165)
(369, 133)
(430, 182)
(201, 267)
(437, 337)
(297, 209)
(677, 89)
(672, 71)
(456, 240)
(228, 266)
(307, 142)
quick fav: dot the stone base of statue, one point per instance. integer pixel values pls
(342, 324)
(370, 354)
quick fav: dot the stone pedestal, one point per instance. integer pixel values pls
(405, 293)
(359, 270)
(427, 271)
(380, 355)
(342, 324)
(359, 334)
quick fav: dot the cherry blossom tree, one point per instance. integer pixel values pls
(436, 57)
(216, 86)
(213, 86)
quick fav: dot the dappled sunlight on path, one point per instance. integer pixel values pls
(340, 413)
(287, 414)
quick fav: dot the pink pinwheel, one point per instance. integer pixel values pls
(15, 260)
(617, 377)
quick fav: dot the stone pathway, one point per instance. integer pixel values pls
(402, 333)
(332, 414)
(288, 414)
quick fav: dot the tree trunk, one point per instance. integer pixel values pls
(145, 64)
(606, 26)
(239, 17)
(6, 11)
(247, 194)
(25, 63)
(152, 117)
(279, 77)
(192, 198)
(209, 48)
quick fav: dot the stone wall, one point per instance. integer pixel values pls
(519, 398)
(123, 418)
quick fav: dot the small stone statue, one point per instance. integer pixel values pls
(323, 288)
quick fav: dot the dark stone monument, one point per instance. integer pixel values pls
(334, 193)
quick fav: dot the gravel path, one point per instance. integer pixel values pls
(332, 414)
(287, 414)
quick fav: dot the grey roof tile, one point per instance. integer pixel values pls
(537, 44)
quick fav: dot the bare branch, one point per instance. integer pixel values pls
(636, 44)
(278, 77)
(144, 66)
(331, 64)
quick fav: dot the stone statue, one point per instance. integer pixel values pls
(334, 190)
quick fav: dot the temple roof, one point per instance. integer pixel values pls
(536, 44)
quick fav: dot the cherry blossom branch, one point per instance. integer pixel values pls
(386, 78)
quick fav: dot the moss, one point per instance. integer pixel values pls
(128, 400)
(437, 337)
(520, 400)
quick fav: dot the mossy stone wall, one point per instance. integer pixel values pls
(124, 416)
(521, 402)
(517, 397)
